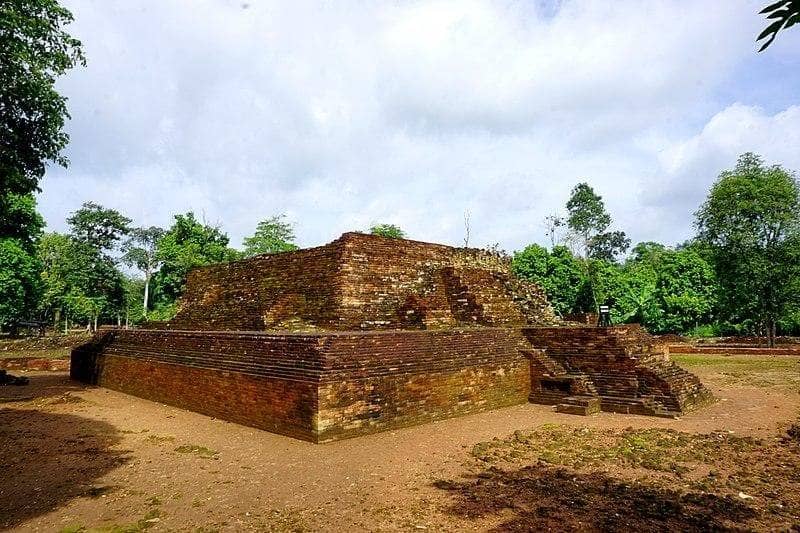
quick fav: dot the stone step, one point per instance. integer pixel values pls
(579, 405)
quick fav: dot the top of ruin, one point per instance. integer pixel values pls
(361, 282)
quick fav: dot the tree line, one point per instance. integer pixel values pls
(739, 274)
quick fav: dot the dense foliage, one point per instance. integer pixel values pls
(272, 235)
(34, 51)
(19, 282)
(189, 243)
(388, 230)
(750, 224)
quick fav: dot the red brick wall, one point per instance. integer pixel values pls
(278, 405)
(629, 368)
(313, 386)
(293, 290)
(358, 282)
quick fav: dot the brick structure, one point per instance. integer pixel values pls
(313, 386)
(361, 282)
(621, 369)
(367, 333)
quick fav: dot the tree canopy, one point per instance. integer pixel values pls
(98, 227)
(272, 235)
(188, 244)
(140, 252)
(19, 282)
(34, 50)
(388, 230)
(751, 224)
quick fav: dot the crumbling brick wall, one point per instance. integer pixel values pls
(361, 282)
(626, 367)
(319, 386)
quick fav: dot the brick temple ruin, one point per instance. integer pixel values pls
(367, 333)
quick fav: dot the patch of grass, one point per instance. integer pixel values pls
(159, 439)
(777, 371)
(200, 451)
(663, 450)
(635, 474)
(151, 518)
(56, 353)
(286, 520)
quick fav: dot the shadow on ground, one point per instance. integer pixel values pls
(538, 498)
(42, 385)
(47, 459)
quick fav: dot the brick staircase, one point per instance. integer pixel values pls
(492, 298)
(623, 369)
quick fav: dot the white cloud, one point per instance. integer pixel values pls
(344, 114)
(689, 167)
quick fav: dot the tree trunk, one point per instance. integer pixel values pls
(771, 332)
(95, 322)
(146, 294)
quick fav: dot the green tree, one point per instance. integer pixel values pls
(751, 223)
(674, 290)
(272, 235)
(19, 282)
(139, 252)
(685, 291)
(387, 230)
(588, 222)
(635, 295)
(79, 280)
(134, 311)
(608, 245)
(186, 245)
(784, 14)
(586, 215)
(647, 252)
(19, 219)
(98, 227)
(34, 50)
(20, 228)
(558, 273)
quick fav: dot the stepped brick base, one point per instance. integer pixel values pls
(624, 367)
(332, 385)
(317, 387)
(580, 405)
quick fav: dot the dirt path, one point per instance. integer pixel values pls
(75, 457)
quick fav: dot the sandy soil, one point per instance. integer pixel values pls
(75, 458)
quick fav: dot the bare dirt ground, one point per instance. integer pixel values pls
(75, 458)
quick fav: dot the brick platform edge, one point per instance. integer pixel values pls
(619, 369)
(317, 387)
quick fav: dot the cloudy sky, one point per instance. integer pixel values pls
(343, 114)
